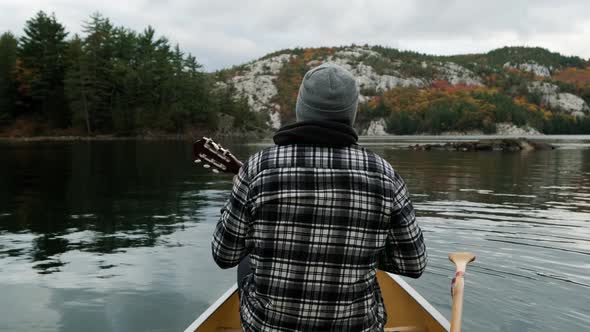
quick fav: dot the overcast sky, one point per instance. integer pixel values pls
(222, 33)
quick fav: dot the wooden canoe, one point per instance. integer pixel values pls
(406, 310)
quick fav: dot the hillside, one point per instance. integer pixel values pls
(408, 93)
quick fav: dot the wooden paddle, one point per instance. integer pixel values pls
(461, 259)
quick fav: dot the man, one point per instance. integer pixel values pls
(317, 214)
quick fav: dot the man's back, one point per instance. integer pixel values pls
(317, 221)
(317, 214)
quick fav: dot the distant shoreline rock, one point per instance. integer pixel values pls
(510, 129)
(377, 128)
(506, 144)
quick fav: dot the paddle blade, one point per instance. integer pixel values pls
(460, 258)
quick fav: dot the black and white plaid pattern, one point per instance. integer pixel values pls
(317, 222)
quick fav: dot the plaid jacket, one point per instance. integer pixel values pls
(317, 222)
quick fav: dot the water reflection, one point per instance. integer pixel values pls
(101, 197)
(117, 234)
(526, 215)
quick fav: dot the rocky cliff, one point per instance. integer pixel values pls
(270, 84)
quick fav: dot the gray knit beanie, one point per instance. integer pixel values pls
(328, 92)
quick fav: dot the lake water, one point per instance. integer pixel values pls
(115, 236)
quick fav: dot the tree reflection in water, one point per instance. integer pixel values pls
(101, 197)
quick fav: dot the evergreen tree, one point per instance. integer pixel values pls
(8, 91)
(126, 94)
(97, 75)
(190, 91)
(42, 51)
(75, 89)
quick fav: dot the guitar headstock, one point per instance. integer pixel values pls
(213, 156)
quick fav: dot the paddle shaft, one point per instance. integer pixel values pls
(461, 259)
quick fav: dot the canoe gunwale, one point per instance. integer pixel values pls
(421, 300)
(212, 308)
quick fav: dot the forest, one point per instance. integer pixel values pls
(108, 80)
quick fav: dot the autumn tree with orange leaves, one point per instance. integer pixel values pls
(444, 107)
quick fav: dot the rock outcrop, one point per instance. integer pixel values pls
(256, 84)
(510, 129)
(568, 103)
(376, 128)
(531, 67)
(367, 78)
(561, 101)
(455, 74)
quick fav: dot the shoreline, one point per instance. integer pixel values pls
(426, 137)
(94, 138)
(110, 137)
(185, 137)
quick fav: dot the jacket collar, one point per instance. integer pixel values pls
(326, 133)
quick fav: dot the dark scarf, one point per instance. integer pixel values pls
(327, 133)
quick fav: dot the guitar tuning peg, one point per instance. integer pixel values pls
(206, 165)
(215, 170)
(197, 161)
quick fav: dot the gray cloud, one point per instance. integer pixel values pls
(222, 33)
